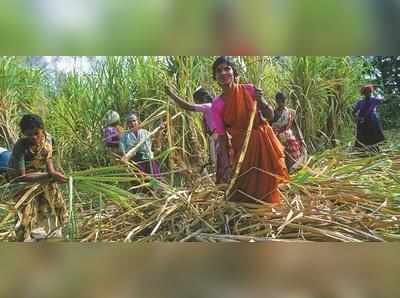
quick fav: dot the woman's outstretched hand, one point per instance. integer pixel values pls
(59, 177)
(267, 110)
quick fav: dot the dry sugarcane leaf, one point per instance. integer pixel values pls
(26, 195)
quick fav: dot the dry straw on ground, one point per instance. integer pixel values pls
(337, 197)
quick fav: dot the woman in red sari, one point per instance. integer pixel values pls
(264, 166)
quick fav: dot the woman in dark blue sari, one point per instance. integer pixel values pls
(369, 127)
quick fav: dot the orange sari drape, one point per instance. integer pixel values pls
(264, 165)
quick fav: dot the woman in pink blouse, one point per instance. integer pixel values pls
(263, 167)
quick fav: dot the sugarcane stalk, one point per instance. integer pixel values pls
(71, 215)
(153, 118)
(169, 137)
(242, 153)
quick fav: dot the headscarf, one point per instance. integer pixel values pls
(111, 118)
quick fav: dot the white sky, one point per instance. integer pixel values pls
(68, 63)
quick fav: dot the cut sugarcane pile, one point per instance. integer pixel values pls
(337, 196)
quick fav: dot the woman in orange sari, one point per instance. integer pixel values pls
(264, 166)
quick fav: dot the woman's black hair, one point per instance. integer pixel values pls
(223, 60)
(31, 121)
(202, 94)
(280, 96)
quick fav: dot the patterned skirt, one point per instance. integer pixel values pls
(41, 212)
